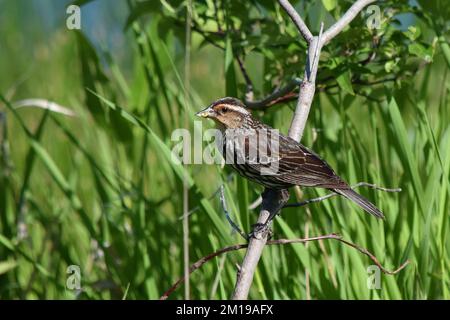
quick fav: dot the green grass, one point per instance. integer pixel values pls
(99, 190)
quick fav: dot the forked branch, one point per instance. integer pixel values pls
(298, 21)
(345, 20)
(273, 200)
(331, 236)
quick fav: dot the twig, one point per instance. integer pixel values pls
(227, 214)
(332, 194)
(307, 88)
(308, 201)
(274, 200)
(270, 99)
(332, 236)
(249, 95)
(345, 20)
(298, 21)
(187, 74)
(278, 93)
(203, 33)
(215, 193)
(258, 201)
(216, 14)
(373, 258)
(317, 49)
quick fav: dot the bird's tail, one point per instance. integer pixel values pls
(360, 201)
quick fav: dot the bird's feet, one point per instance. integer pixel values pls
(261, 230)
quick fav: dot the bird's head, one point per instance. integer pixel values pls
(229, 113)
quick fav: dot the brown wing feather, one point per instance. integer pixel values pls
(309, 169)
(295, 164)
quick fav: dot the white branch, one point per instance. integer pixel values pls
(305, 97)
(307, 88)
(272, 200)
(315, 61)
(251, 259)
(351, 13)
(298, 21)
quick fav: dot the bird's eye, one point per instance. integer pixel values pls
(224, 109)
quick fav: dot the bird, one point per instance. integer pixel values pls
(285, 162)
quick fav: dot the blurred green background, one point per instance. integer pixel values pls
(98, 189)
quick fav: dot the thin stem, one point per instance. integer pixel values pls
(315, 62)
(215, 193)
(332, 194)
(332, 236)
(187, 73)
(227, 214)
(271, 200)
(278, 93)
(345, 20)
(298, 21)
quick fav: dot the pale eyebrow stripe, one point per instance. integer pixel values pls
(234, 108)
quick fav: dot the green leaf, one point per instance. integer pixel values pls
(7, 265)
(329, 4)
(402, 135)
(412, 33)
(54, 171)
(445, 49)
(6, 242)
(142, 8)
(94, 78)
(421, 51)
(390, 65)
(345, 83)
(182, 173)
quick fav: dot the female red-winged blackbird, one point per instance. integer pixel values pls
(284, 162)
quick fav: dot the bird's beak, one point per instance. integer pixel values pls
(206, 113)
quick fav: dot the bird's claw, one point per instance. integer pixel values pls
(260, 230)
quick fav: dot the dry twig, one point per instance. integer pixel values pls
(235, 247)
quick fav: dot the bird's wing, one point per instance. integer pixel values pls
(292, 163)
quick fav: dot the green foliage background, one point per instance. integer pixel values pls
(98, 190)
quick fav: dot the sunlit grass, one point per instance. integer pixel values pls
(99, 190)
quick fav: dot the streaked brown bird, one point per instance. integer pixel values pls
(285, 162)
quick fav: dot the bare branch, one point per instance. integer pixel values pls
(248, 81)
(304, 101)
(215, 193)
(332, 236)
(308, 201)
(374, 186)
(307, 88)
(272, 202)
(298, 21)
(278, 93)
(332, 194)
(258, 201)
(227, 214)
(187, 75)
(351, 13)
(373, 258)
(315, 62)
